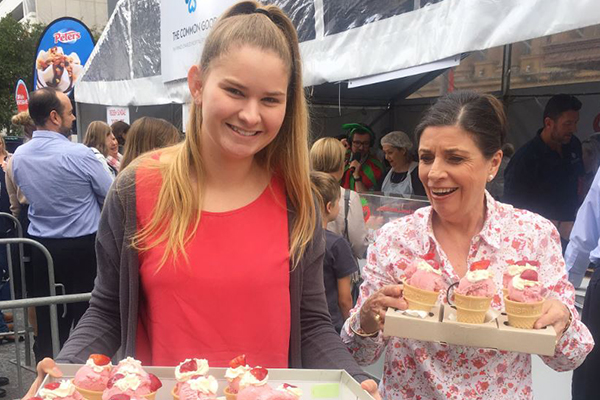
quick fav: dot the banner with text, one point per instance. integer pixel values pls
(114, 114)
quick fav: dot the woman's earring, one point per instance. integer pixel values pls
(490, 177)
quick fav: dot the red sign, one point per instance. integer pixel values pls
(22, 96)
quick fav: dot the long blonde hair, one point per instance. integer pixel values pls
(327, 155)
(177, 213)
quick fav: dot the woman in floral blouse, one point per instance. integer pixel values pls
(459, 151)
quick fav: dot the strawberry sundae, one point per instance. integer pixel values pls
(525, 300)
(63, 390)
(199, 388)
(188, 369)
(423, 283)
(237, 368)
(91, 379)
(474, 293)
(130, 378)
(515, 269)
(253, 385)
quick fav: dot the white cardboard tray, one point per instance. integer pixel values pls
(316, 384)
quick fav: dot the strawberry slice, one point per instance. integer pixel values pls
(259, 373)
(287, 385)
(480, 265)
(239, 361)
(529, 275)
(189, 366)
(111, 381)
(155, 383)
(52, 385)
(120, 396)
(36, 398)
(533, 263)
(100, 359)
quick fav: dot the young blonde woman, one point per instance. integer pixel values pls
(218, 238)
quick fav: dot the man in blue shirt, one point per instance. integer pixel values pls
(543, 175)
(583, 248)
(65, 185)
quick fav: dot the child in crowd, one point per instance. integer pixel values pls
(339, 263)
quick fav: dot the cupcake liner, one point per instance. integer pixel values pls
(471, 309)
(419, 299)
(522, 315)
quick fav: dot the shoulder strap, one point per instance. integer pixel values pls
(346, 209)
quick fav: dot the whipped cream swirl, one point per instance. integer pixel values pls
(425, 266)
(204, 384)
(478, 275)
(520, 283)
(250, 380)
(65, 389)
(517, 269)
(98, 368)
(233, 373)
(201, 369)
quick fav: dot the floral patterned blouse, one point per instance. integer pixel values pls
(425, 370)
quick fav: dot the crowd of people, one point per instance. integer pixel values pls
(156, 224)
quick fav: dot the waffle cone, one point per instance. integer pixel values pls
(419, 299)
(229, 395)
(504, 292)
(175, 396)
(89, 394)
(150, 396)
(471, 309)
(522, 315)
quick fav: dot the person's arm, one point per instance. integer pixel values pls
(321, 345)
(344, 286)
(99, 330)
(100, 179)
(585, 235)
(344, 266)
(357, 229)
(575, 342)
(11, 189)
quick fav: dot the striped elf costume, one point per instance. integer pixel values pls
(371, 171)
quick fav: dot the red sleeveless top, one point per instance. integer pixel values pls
(231, 298)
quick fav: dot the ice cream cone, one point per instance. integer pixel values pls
(522, 315)
(229, 395)
(89, 394)
(504, 292)
(419, 299)
(471, 309)
(174, 394)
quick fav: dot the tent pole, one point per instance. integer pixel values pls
(506, 68)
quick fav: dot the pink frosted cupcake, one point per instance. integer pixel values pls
(253, 385)
(91, 379)
(63, 390)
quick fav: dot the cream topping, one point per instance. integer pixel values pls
(296, 391)
(520, 283)
(478, 275)
(204, 384)
(517, 269)
(130, 366)
(425, 266)
(233, 373)
(201, 369)
(65, 389)
(129, 381)
(250, 380)
(98, 368)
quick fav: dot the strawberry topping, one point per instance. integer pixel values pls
(239, 361)
(155, 383)
(259, 373)
(480, 265)
(36, 398)
(52, 385)
(529, 275)
(120, 396)
(100, 359)
(111, 381)
(287, 385)
(189, 366)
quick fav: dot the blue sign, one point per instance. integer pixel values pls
(191, 5)
(63, 50)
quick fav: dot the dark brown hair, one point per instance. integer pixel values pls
(482, 115)
(42, 102)
(120, 129)
(147, 134)
(326, 188)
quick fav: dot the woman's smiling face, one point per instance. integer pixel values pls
(454, 171)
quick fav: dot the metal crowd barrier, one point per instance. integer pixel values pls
(24, 303)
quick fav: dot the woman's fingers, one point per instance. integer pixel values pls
(371, 387)
(372, 312)
(554, 313)
(45, 367)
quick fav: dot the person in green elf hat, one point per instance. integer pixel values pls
(363, 171)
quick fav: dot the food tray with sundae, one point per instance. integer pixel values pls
(193, 379)
(466, 318)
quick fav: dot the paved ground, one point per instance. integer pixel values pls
(9, 369)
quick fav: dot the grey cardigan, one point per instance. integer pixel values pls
(112, 317)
